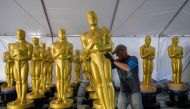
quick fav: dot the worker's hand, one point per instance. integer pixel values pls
(109, 56)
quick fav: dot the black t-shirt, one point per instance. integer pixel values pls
(129, 81)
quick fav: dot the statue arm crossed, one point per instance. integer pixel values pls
(143, 54)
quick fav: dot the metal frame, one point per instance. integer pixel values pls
(47, 18)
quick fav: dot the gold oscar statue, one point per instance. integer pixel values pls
(77, 65)
(9, 68)
(35, 69)
(175, 52)
(49, 68)
(62, 52)
(108, 49)
(21, 53)
(44, 67)
(94, 47)
(147, 53)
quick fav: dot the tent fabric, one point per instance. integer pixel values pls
(162, 63)
(132, 17)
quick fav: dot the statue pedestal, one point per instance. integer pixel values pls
(178, 94)
(149, 93)
(61, 105)
(13, 105)
(32, 96)
(7, 94)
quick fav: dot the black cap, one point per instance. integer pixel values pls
(119, 47)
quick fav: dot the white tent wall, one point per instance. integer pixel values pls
(162, 63)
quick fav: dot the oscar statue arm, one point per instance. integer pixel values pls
(41, 55)
(181, 54)
(54, 54)
(153, 53)
(143, 55)
(171, 53)
(87, 47)
(107, 39)
(70, 56)
(109, 46)
(12, 53)
(30, 51)
(5, 57)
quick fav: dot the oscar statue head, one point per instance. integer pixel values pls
(20, 33)
(175, 40)
(92, 18)
(44, 45)
(147, 40)
(35, 41)
(62, 34)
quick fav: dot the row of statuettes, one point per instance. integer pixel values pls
(96, 41)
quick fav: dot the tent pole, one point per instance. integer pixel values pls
(114, 13)
(48, 21)
(158, 56)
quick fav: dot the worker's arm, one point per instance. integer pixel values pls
(122, 66)
(131, 64)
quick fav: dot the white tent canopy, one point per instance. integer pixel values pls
(123, 17)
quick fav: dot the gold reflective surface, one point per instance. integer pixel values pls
(93, 42)
(175, 53)
(62, 52)
(21, 53)
(147, 53)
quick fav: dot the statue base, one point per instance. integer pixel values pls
(28, 105)
(32, 96)
(7, 95)
(6, 88)
(69, 95)
(149, 93)
(151, 88)
(178, 94)
(180, 87)
(61, 105)
(93, 96)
